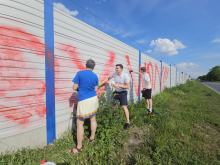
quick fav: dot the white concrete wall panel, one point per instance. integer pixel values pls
(22, 66)
(22, 75)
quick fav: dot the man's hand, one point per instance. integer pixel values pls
(115, 85)
(105, 82)
(118, 85)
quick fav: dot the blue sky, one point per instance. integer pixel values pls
(181, 32)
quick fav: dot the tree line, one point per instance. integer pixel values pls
(212, 75)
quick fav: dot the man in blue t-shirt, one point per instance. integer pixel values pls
(86, 82)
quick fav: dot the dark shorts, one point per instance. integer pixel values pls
(146, 93)
(121, 97)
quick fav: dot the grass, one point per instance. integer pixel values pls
(184, 130)
(187, 129)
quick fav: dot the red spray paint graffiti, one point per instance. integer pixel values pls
(69, 58)
(154, 72)
(13, 77)
(152, 69)
(77, 61)
(17, 48)
(135, 84)
(74, 55)
(108, 67)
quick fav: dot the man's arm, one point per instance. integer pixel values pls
(131, 71)
(103, 84)
(76, 82)
(106, 81)
(75, 87)
(124, 86)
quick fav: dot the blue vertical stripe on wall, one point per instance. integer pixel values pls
(49, 71)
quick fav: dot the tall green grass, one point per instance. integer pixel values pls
(184, 130)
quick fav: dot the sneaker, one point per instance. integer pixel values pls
(126, 125)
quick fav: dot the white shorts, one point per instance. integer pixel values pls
(87, 108)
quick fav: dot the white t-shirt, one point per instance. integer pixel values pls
(120, 79)
(146, 81)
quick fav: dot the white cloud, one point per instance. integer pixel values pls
(167, 46)
(61, 7)
(216, 41)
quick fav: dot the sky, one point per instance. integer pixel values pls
(184, 33)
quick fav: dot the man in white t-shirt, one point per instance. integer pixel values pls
(120, 82)
(147, 89)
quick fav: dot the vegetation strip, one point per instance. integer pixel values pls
(184, 130)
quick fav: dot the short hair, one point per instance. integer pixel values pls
(120, 65)
(143, 69)
(90, 64)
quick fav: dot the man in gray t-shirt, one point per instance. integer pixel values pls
(147, 89)
(120, 82)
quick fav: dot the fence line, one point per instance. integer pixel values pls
(41, 49)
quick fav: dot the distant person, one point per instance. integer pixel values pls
(147, 89)
(120, 82)
(85, 82)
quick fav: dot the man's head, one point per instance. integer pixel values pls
(118, 68)
(90, 64)
(143, 69)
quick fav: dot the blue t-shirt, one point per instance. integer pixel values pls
(87, 81)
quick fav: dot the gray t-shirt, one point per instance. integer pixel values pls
(146, 81)
(120, 79)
